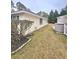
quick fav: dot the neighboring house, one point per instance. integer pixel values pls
(43, 14)
(61, 25)
(28, 21)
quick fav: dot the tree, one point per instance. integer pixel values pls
(56, 14)
(42, 13)
(20, 6)
(13, 7)
(63, 11)
(51, 17)
(12, 3)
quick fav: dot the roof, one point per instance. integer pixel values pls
(64, 16)
(62, 19)
(19, 12)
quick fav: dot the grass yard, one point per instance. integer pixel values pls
(45, 44)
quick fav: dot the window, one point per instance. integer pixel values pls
(41, 21)
(11, 17)
(17, 17)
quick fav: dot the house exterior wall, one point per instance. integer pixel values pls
(27, 17)
(36, 25)
(36, 22)
(62, 19)
(61, 25)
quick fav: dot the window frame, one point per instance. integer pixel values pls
(41, 21)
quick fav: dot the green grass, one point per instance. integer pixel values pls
(45, 44)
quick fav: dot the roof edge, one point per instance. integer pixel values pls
(17, 12)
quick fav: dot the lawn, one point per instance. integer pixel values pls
(45, 44)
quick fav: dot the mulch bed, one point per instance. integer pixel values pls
(17, 40)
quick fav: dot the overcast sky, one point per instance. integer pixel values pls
(43, 5)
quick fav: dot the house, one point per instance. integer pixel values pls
(61, 25)
(28, 22)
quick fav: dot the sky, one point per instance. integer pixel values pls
(43, 5)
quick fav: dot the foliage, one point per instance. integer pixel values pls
(63, 11)
(14, 24)
(13, 7)
(18, 39)
(20, 6)
(56, 14)
(53, 16)
(24, 25)
(42, 13)
(12, 3)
